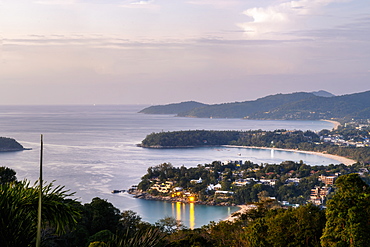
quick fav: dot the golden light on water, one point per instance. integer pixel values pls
(181, 211)
(178, 210)
(191, 216)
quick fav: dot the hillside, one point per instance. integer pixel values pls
(246, 108)
(172, 108)
(297, 106)
(346, 106)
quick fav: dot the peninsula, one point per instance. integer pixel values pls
(351, 140)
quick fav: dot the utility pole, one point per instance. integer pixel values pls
(38, 237)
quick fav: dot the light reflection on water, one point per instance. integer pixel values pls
(191, 216)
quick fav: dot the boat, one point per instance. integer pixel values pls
(117, 191)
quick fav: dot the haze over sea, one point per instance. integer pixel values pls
(92, 150)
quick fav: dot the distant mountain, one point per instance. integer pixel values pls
(246, 108)
(323, 93)
(298, 106)
(172, 108)
(346, 106)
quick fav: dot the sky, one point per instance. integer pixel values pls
(167, 51)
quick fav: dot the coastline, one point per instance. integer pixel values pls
(341, 159)
(6, 150)
(242, 210)
(336, 123)
(146, 196)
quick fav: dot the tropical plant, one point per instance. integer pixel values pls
(147, 237)
(18, 212)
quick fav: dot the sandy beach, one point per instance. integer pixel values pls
(341, 159)
(243, 209)
(336, 123)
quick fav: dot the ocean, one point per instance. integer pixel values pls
(91, 150)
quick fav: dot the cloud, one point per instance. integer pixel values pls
(215, 3)
(283, 17)
(142, 2)
(146, 4)
(57, 2)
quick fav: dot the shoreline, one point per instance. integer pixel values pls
(336, 123)
(341, 159)
(147, 196)
(344, 160)
(242, 210)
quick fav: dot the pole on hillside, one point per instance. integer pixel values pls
(38, 237)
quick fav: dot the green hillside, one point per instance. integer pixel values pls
(298, 106)
(246, 108)
(346, 106)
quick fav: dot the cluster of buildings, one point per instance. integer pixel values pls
(360, 140)
(318, 194)
(338, 140)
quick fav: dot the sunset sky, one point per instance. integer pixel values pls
(166, 51)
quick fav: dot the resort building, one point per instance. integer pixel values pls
(162, 187)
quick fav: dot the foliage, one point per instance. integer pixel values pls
(150, 237)
(103, 236)
(169, 225)
(348, 214)
(18, 206)
(7, 175)
(189, 138)
(100, 215)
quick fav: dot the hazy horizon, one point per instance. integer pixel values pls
(110, 52)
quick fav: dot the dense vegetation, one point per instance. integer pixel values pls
(9, 144)
(345, 222)
(189, 138)
(280, 106)
(302, 140)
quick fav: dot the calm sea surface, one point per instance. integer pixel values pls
(92, 150)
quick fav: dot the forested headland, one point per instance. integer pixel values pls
(348, 141)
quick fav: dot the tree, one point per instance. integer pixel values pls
(18, 212)
(101, 215)
(7, 175)
(348, 214)
(169, 225)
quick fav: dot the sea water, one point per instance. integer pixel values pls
(91, 150)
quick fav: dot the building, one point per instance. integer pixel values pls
(162, 187)
(328, 180)
(318, 194)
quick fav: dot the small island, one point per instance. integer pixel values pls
(10, 145)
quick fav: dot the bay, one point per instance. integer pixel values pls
(92, 150)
